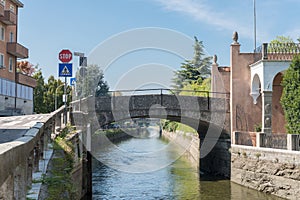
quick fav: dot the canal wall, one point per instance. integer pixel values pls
(189, 140)
(273, 171)
(99, 138)
(217, 162)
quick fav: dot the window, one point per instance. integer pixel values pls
(2, 33)
(2, 2)
(11, 37)
(4, 87)
(19, 91)
(30, 94)
(12, 8)
(1, 61)
(10, 64)
(1, 86)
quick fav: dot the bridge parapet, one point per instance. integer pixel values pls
(190, 110)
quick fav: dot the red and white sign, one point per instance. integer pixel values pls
(65, 56)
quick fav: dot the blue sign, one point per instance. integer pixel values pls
(65, 70)
(73, 81)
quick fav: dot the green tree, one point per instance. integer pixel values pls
(193, 71)
(91, 82)
(38, 93)
(282, 39)
(196, 89)
(54, 90)
(45, 93)
(290, 99)
(282, 44)
(102, 87)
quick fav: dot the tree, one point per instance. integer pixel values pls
(91, 82)
(283, 44)
(282, 39)
(200, 63)
(290, 99)
(195, 70)
(38, 93)
(102, 87)
(54, 90)
(196, 89)
(45, 93)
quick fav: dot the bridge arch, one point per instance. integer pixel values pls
(209, 116)
(200, 113)
(199, 125)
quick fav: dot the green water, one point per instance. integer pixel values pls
(178, 180)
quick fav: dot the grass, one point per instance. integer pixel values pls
(186, 129)
(59, 181)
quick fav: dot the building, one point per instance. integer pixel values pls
(254, 82)
(16, 89)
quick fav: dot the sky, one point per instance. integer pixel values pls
(46, 27)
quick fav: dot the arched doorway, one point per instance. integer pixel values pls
(278, 120)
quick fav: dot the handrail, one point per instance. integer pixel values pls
(161, 93)
(169, 90)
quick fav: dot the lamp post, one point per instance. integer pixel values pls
(254, 22)
(56, 95)
(82, 64)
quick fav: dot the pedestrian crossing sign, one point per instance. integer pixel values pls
(65, 70)
(73, 81)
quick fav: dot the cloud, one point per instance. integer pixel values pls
(201, 12)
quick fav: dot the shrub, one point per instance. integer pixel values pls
(290, 99)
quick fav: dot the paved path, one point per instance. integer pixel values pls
(12, 128)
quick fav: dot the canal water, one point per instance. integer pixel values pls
(177, 180)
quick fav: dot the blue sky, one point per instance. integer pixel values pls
(46, 27)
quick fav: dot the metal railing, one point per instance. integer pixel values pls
(202, 93)
(278, 141)
(166, 91)
(157, 91)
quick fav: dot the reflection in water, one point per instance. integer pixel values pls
(179, 180)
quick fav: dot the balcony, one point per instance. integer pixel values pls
(276, 52)
(26, 80)
(9, 18)
(17, 50)
(1, 10)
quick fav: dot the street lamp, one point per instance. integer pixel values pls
(56, 95)
(82, 64)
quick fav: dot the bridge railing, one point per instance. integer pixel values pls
(203, 93)
(177, 92)
(84, 103)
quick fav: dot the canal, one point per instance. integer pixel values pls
(177, 180)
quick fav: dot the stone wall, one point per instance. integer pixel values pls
(186, 140)
(272, 171)
(217, 161)
(8, 103)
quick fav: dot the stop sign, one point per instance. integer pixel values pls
(65, 56)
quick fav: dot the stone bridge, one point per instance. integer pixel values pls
(201, 113)
(209, 116)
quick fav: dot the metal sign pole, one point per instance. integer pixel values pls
(65, 102)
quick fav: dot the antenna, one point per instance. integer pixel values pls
(254, 15)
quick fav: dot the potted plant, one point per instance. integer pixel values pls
(257, 129)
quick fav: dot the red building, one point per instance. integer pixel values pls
(16, 89)
(254, 82)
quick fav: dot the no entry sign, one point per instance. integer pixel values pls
(65, 56)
